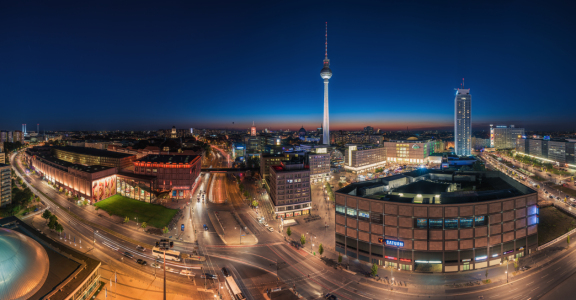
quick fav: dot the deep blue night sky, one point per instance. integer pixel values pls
(106, 65)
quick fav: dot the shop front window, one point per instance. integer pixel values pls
(422, 223)
(351, 212)
(435, 224)
(466, 223)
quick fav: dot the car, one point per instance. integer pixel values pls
(26, 213)
(545, 192)
(155, 265)
(128, 254)
(36, 209)
(205, 227)
(186, 273)
(330, 297)
(551, 197)
(270, 229)
(225, 272)
(208, 276)
(141, 262)
(140, 248)
(572, 199)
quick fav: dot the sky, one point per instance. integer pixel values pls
(148, 65)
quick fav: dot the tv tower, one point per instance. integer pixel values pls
(326, 74)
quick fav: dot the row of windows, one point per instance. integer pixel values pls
(451, 223)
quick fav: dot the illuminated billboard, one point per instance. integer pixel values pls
(103, 188)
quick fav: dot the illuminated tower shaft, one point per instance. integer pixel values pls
(326, 74)
(326, 122)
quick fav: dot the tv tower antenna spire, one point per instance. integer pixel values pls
(326, 44)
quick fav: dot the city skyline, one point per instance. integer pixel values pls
(394, 70)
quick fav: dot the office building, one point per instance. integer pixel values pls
(290, 188)
(269, 160)
(504, 137)
(34, 266)
(409, 151)
(18, 136)
(359, 158)
(437, 221)
(93, 157)
(350, 138)
(463, 122)
(5, 185)
(2, 158)
(480, 143)
(560, 151)
(319, 162)
(6, 136)
(177, 174)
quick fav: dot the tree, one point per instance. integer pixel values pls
(85, 202)
(246, 194)
(486, 274)
(255, 203)
(165, 230)
(144, 225)
(46, 215)
(59, 228)
(53, 221)
(516, 263)
(288, 231)
(340, 184)
(320, 249)
(126, 220)
(302, 239)
(339, 258)
(374, 270)
(568, 241)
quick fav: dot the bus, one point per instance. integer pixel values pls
(170, 254)
(234, 289)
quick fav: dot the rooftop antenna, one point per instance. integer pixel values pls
(326, 44)
(462, 82)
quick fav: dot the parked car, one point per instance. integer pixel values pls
(205, 227)
(270, 229)
(128, 254)
(225, 272)
(141, 262)
(140, 248)
(36, 209)
(330, 297)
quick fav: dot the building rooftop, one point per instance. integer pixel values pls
(92, 152)
(169, 159)
(66, 268)
(440, 187)
(65, 164)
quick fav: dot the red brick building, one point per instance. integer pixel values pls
(176, 174)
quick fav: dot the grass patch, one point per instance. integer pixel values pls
(538, 178)
(153, 214)
(553, 223)
(565, 190)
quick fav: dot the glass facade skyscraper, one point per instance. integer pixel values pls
(462, 122)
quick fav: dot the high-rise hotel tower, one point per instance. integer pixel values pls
(462, 122)
(326, 74)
